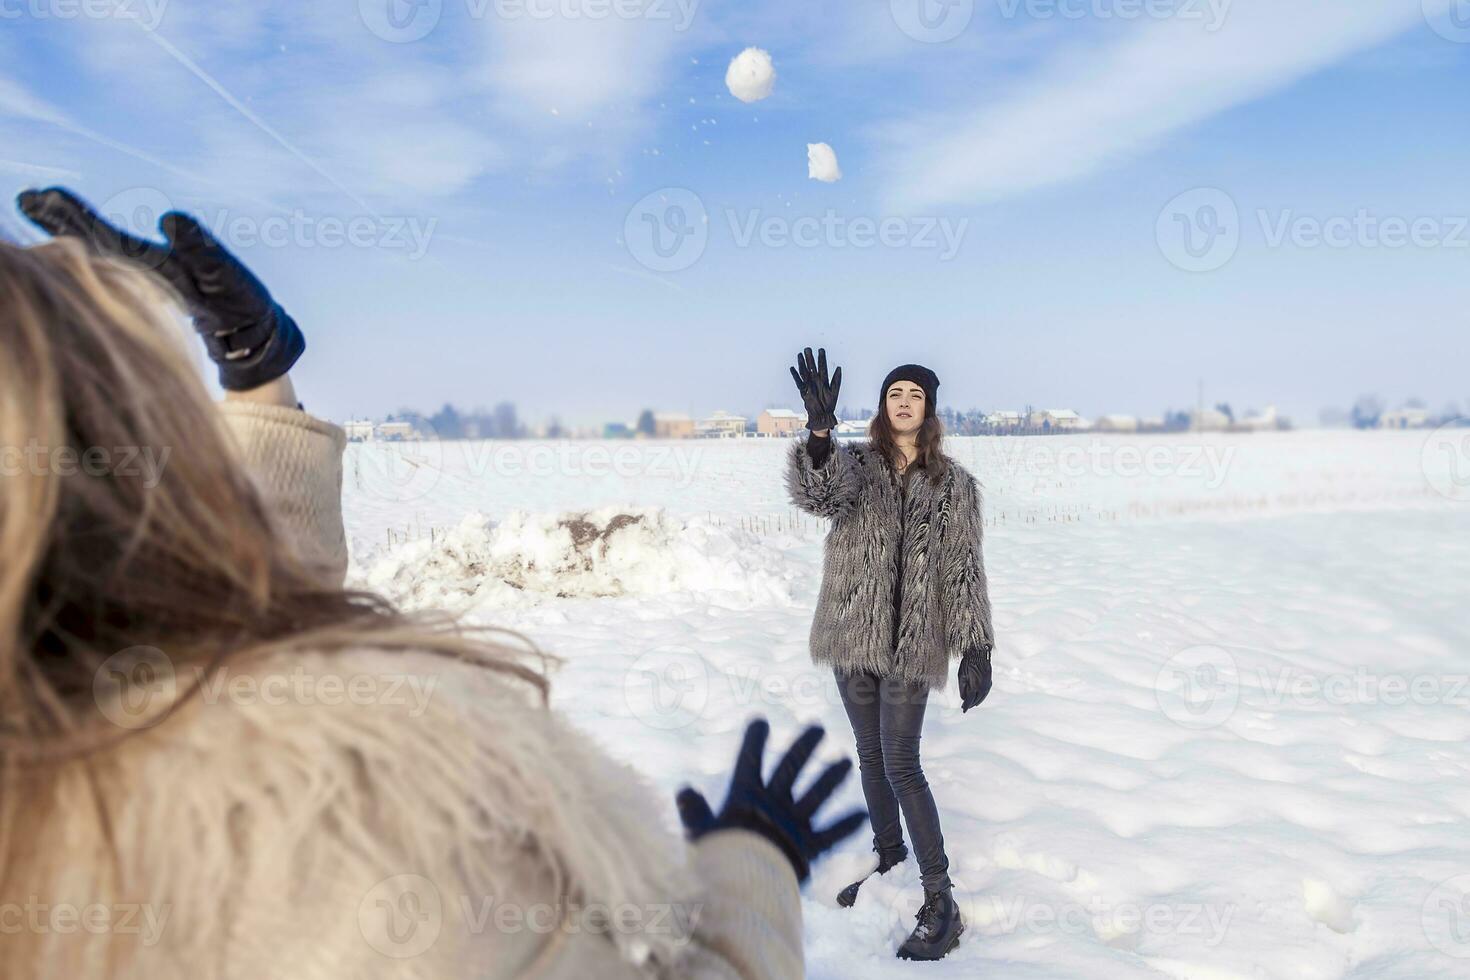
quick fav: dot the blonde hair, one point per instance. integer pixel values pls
(99, 560)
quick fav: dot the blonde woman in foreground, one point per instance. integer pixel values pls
(217, 762)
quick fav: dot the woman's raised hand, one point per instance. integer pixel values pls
(818, 393)
(247, 333)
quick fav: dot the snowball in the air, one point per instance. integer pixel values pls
(751, 76)
(821, 163)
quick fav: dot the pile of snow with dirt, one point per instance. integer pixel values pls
(611, 552)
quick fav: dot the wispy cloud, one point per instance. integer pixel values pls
(1092, 106)
(37, 170)
(573, 87)
(293, 101)
(19, 104)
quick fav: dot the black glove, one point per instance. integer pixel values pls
(974, 678)
(819, 394)
(246, 332)
(768, 809)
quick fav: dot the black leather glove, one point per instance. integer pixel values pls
(769, 809)
(246, 332)
(817, 392)
(974, 678)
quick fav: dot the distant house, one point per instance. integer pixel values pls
(359, 430)
(1005, 420)
(1404, 418)
(721, 425)
(1116, 423)
(673, 426)
(779, 422)
(396, 431)
(851, 429)
(1209, 420)
(1056, 420)
(1266, 421)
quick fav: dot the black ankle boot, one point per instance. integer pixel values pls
(887, 859)
(939, 928)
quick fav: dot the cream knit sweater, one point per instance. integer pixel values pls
(369, 815)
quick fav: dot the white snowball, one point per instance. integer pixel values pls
(751, 76)
(821, 163)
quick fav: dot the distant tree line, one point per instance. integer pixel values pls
(968, 423)
(973, 423)
(501, 422)
(1368, 410)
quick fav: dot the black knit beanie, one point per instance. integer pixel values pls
(919, 375)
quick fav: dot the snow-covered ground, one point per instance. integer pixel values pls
(1230, 731)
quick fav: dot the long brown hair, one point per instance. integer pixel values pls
(928, 441)
(181, 557)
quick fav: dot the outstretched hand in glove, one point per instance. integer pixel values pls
(247, 333)
(770, 808)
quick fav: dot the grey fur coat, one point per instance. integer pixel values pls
(903, 583)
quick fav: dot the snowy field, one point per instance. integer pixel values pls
(1230, 730)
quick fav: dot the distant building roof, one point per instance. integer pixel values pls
(781, 413)
(1404, 417)
(1209, 418)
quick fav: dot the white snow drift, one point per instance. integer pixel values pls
(751, 75)
(821, 163)
(614, 551)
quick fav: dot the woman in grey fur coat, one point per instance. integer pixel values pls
(903, 594)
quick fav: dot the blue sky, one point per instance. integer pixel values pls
(489, 168)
